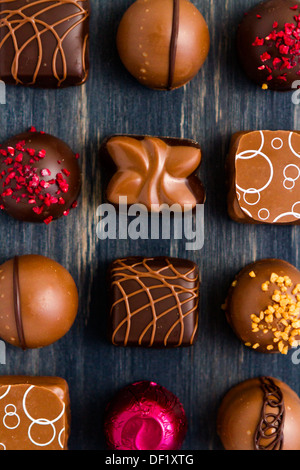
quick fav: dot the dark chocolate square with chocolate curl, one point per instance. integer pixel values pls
(154, 302)
(44, 43)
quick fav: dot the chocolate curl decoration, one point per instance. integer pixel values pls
(269, 432)
(17, 304)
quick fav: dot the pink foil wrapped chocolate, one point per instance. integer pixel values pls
(145, 416)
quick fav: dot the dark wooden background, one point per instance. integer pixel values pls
(218, 102)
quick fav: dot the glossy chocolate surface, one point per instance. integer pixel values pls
(268, 41)
(34, 413)
(163, 43)
(260, 414)
(40, 177)
(263, 306)
(154, 171)
(39, 301)
(44, 43)
(145, 416)
(263, 175)
(154, 302)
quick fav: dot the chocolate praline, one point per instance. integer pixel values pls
(163, 43)
(263, 306)
(145, 416)
(39, 301)
(268, 41)
(260, 414)
(40, 178)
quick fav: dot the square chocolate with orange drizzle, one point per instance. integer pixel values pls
(44, 43)
(153, 171)
(154, 302)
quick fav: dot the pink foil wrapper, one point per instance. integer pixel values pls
(145, 416)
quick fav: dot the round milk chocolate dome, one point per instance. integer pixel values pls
(163, 43)
(260, 414)
(268, 42)
(40, 177)
(38, 301)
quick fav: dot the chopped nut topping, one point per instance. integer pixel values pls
(282, 318)
(252, 274)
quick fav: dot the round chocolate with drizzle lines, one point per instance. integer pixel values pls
(260, 414)
(163, 43)
(40, 177)
(38, 301)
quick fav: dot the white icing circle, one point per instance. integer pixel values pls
(261, 217)
(291, 147)
(252, 191)
(6, 392)
(290, 180)
(59, 438)
(3, 445)
(277, 147)
(10, 414)
(40, 421)
(296, 213)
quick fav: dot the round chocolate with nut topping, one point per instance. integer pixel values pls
(263, 306)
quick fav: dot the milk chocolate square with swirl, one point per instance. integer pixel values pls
(154, 302)
(263, 175)
(154, 171)
(34, 413)
(44, 43)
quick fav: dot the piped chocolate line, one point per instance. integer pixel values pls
(173, 44)
(17, 303)
(269, 432)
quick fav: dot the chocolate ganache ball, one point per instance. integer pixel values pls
(38, 301)
(260, 414)
(40, 177)
(163, 43)
(268, 42)
(263, 306)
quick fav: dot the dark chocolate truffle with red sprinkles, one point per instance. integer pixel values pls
(268, 42)
(40, 177)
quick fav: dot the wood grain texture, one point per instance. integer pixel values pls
(217, 103)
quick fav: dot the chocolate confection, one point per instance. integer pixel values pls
(163, 43)
(153, 171)
(260, 414)
(263, 177)
(34, 413)
(268, 42)
(44, 43)
(145, 416)
(40, 177)
(39, 301)
(154, 302)
(263, 306)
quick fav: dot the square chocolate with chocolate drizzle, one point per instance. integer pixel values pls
(154, 171)
(154, 302)
(44, 43)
